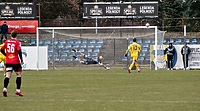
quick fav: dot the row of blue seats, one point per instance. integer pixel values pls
(140, 58)
(55, 42)
(76, 46)
(69, 50)
(171, 40)
(69, 56)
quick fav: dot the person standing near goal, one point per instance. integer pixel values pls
(134, 49)
(13, 62)
(170, 51)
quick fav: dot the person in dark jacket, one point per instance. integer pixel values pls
(170, 51)
(4, 31)
(185, 51)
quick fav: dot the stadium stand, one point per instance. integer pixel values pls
(194, 41)
(95, 47)
(178, 41)
(32, 42)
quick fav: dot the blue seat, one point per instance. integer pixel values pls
(81, 50)
(178, 41)
(98, 45)
(71, 54)
(140, 58)
(124, 58)
(69, 59)
(171, 40)
(153, 41)
(92, 41)
(63, 55)
(187, 40)
(147, 58)
(147, 41)
(78, 55)
(96, 50)
(83, 45)
(85, 41)
(62, 59)
(55, 42)
(90, 45)
(130, 41)
(62, 41)
(194, 41)
(47, 42)
(145, 45)
(66, 50)
(94, 54)
(88, 54)
(76, 46)
(164, 41)
(68, 46)
(32, 42)
(60, 46)
(77, 41)
(40, 42)
(70, 42)
(144, 49)
(100, 41)
(139, 41)
(56, 59)
(89, 50)
(50, 54)
(58, 50)
(141, 54)
(50, 50)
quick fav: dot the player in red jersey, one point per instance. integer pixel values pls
(12, 50)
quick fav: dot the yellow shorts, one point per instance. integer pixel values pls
(135, 57)
(2, 58)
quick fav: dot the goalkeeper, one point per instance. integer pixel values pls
(88, 60)
(134, 49)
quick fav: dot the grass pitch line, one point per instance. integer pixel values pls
(126, 101)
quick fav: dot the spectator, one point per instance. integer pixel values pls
(4, 31)
(185, 51)
(170, 51)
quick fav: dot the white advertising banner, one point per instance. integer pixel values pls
(29, 54)
(194, 57)
(193, 62)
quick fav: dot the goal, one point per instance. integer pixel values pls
(111, 42)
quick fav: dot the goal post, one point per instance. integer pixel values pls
(105, 33)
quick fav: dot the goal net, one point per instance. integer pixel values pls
(110, 42)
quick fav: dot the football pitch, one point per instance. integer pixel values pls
(97, 89)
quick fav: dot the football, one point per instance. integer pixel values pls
(108, 68)
(147, 24)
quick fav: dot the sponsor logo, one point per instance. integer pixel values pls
(96, 10)
(7, 11)
(129, 10)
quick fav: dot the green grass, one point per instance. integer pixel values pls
(96, 89)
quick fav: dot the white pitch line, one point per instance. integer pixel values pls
(113, 101)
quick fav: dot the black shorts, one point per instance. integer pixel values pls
(90, 62)
(15, 67)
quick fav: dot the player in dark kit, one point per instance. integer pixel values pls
(170, 51)
(88, 60)
(13, 62)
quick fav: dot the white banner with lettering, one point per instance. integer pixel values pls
(29, 54)
(194, 57)
(193, 62)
